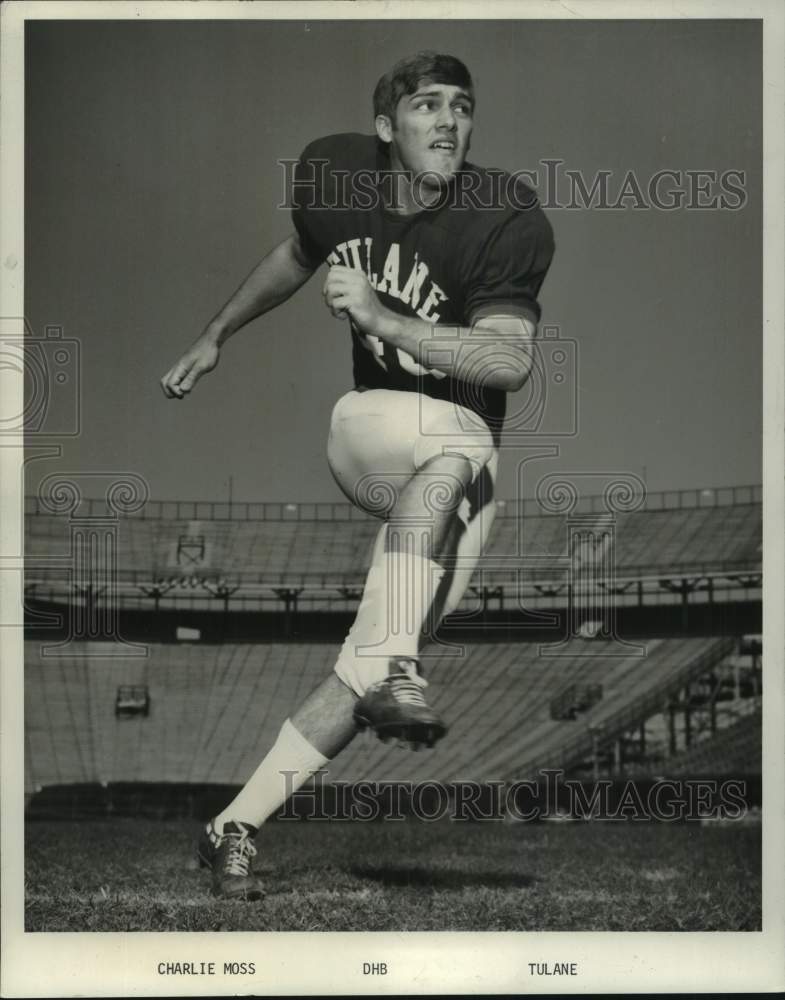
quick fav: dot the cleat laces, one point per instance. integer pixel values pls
(407, 689)
(241, 852)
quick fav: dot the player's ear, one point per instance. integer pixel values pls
(383, 128)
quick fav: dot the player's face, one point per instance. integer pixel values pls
(430, 135)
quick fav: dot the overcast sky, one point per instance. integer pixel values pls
(153, 185)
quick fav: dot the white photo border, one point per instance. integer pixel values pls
(106, 964)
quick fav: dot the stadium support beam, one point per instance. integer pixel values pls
(486, 593)
(618, 756)
(221, 591)
(684, 588)
(595, 753)
(157, 591)
(289, 596)
(756, 671)
(671, 708)
(351, 593)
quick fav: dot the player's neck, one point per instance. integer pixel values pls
(403, 200)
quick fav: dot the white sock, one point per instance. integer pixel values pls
(411, 586)
(273, 782)
(397, 597)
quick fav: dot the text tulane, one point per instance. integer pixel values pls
(553, 968)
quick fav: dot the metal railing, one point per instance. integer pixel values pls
(631, 714)
(319, 579)
(224, 510)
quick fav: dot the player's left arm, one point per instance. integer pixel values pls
(494, 352)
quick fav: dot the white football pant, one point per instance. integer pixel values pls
(379, 439)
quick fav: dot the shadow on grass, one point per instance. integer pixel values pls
(441, 878)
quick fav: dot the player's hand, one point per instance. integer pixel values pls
(348, 291)
(197, 361)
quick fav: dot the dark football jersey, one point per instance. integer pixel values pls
(485, 248)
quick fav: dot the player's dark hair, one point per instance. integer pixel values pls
(407, 75)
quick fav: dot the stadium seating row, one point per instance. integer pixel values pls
(215, 710)
(701, 538)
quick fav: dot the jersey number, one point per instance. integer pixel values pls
(389, 356)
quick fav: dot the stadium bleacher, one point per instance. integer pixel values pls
(650, 541)
(216, 709)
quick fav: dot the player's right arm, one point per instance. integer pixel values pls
(272, 281)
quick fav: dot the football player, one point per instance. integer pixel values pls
(436, 264)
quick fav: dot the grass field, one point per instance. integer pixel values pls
(127, 875)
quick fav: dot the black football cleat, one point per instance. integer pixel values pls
(396, 710)
(229, 855)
